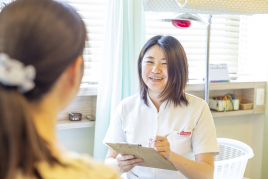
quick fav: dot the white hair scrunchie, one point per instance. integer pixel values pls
(14, 73)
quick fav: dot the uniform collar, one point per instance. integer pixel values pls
(152, 106)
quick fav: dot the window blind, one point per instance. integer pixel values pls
(93, 13)
(223, 41)
(253, 45)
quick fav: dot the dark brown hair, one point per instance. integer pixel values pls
(177, 69)
(50, 36)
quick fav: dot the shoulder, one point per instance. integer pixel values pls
(196, 105)
(194, 100)
(131, 99)
(132, 102)
(77, 166)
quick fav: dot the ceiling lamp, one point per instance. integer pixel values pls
(181, 23)
(183, 20)
(208, 6)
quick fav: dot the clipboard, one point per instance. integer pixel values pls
(151, 158)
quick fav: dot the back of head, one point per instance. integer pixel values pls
(48, 36)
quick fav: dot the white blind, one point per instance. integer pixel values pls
(253, 45)
(223, 45)
(93, 13)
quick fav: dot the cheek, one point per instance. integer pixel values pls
(144, 71)
(165, 71)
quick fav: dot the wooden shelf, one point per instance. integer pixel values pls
(234, 84)
(231, 113)
(75, 124)
(245, 91)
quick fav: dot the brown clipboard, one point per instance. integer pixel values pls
(150, 157)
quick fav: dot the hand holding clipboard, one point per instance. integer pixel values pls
(126, 162)
(150, 157)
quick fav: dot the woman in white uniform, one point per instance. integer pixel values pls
(162, 107)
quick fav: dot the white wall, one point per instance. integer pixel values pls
(80, 140)
(248, 129)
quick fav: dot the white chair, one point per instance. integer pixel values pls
(232, 160)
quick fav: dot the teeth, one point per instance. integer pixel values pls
(156, 78)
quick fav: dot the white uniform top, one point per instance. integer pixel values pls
(135, 122)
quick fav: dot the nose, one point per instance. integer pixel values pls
(156, 69)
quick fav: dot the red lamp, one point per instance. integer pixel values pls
(181, 23)
(183, 20)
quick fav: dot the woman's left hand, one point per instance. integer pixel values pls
(161, 145)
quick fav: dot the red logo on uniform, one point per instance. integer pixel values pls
(185, 133)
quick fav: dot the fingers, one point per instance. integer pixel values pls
(127, 162)
(149, 142)
(124, 157)
(127, 168)
(160, 144)
(130, 162)
(161, 149)
(159, 138)
(127, 165)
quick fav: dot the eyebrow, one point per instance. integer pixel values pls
(150, 57)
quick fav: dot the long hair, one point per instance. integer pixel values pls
(177, 69)
(48, 35)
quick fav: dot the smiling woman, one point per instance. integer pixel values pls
(162, 107)
(163, 57)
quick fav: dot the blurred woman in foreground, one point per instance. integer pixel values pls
(41, 67)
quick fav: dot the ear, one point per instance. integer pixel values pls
(75, 71)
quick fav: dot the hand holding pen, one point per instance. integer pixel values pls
(161, 145)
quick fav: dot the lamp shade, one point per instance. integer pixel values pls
(181, 16)
(208, 6)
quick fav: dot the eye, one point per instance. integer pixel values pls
(164, 63)
(149, 62)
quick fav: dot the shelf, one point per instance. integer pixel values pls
(233, 84)
(231, 113)
(88, 90)
(75, 124)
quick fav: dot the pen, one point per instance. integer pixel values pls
(167, 134)
(158, 141)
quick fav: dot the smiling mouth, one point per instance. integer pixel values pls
(156, 78)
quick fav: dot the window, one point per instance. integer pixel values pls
(223, 41)
(3, 3)
(231, 38)
(93, 12)
(253, 45)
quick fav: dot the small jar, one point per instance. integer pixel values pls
(75, 116)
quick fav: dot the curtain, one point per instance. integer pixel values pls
(124, 38)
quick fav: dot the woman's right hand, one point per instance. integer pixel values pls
(126, 162)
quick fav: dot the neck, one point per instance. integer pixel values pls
(155, 99)
(45, 120)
